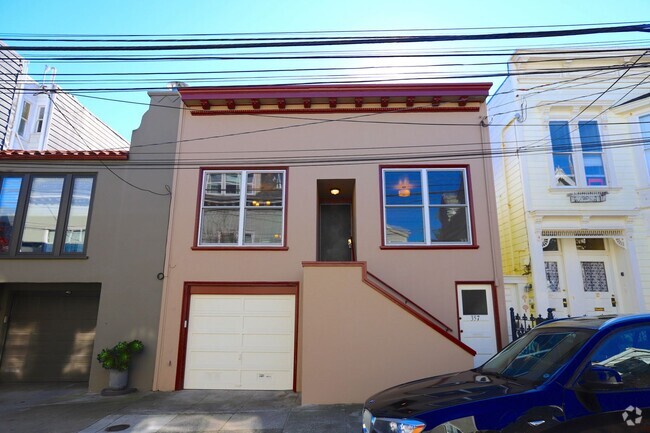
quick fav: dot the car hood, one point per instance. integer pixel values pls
(439, 392)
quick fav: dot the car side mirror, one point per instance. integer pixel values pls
(599, 377)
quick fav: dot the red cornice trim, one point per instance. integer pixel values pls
(327, 91)
(337, 110)
(406, 308)
(82, 155)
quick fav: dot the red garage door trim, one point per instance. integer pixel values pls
(231, 288)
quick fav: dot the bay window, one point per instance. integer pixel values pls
(44, 215)
(242, 208)
(583, 166)
(426, 206)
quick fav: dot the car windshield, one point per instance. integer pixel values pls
(537, 355)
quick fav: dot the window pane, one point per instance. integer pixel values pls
(552, 276)
(446, 187)
(589, 136)
(24, 118)
(552, 245)
(222, 189)
(594, 169)
(474, 302)
(404, 225)
(403, 187)
(594, 277)
(220, 226)
(563, 169)
(448, 224)
(264, 189)
(75, 235)
(263, 226)
(590, 244)
(42, 215)
(8, 202)
(560, 136)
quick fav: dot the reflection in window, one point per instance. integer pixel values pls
(628, 352)
(552, 276)
(75, 236)
(562, 153)
(552, 245)
(42, 215)
(426, 206)
(235, 216)
(590, 244)
(49, 214)
(9, 190)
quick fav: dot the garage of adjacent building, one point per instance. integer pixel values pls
(48, 331)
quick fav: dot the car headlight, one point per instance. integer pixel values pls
(372, 424)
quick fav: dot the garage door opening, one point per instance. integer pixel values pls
(239, 338)
(50, 332)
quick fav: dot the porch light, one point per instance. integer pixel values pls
(335, 191)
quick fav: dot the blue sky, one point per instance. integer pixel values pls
(254, 16)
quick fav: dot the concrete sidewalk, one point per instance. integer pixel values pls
(69, 408)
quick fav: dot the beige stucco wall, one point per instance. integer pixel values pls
(356, 342)
(427, 276)
(126, 244)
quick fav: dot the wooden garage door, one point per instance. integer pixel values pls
(240, 342)
(50, 337)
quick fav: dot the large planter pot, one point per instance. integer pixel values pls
(117, 379)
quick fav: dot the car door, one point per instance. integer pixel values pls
(618, 399)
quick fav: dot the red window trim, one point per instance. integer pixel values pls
(197, 218)
(470, 204)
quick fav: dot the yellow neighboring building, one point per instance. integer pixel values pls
(572, 182)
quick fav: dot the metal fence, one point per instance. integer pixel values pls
(520, 324)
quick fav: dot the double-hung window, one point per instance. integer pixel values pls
(577, 167)
(242, 208)
(44, 215)
(426, 207)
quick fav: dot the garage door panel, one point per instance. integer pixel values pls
(214, 360)
(265, 361)
(268, 325)
(265, 380)
(261, 343)
(240, 342)
(211, 324)
(224, 342)
(228, 379)
(207, 304)
(275, 306)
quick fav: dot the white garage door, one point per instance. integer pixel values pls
(240, 342)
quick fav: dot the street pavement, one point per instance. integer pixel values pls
(69, 408)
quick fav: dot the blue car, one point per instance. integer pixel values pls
(588, 374)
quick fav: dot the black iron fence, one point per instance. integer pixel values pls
(520, 324)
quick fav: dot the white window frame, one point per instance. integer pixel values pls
(428, 243)
(243, 187)
(40, 119)
(577, 155)
(23, 122)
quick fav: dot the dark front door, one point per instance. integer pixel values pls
(335, 232)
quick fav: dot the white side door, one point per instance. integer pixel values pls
(476, 318)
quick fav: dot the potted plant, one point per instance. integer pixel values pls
(117, 361)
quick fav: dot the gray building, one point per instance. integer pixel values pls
(82, 248)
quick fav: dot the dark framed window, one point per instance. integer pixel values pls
(44, 215)
(426, 206)
(242, 208)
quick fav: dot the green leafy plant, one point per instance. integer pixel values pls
(119, 356)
